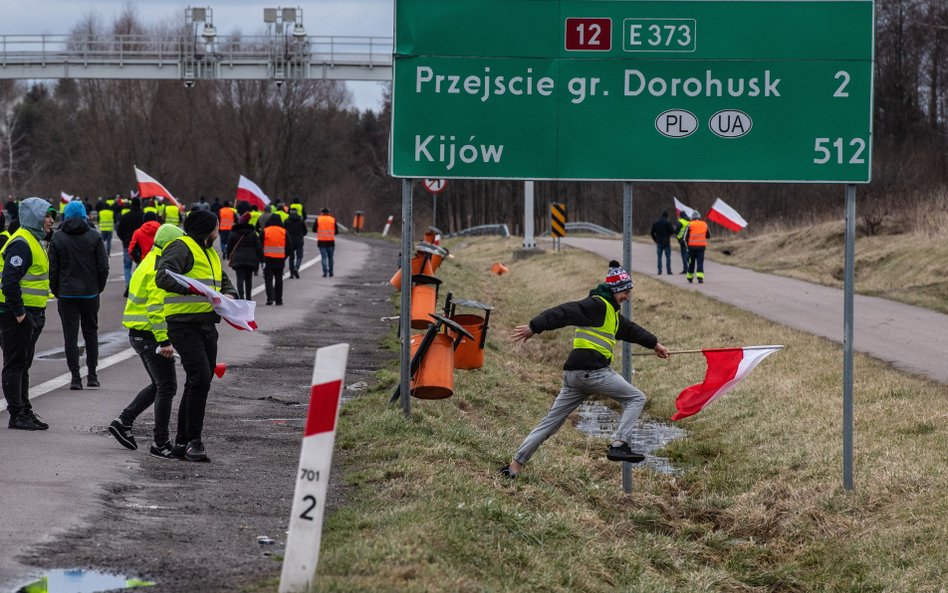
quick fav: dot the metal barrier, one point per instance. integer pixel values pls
(587, 227)
(484, 229)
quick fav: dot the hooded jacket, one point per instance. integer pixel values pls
(176, 257)
(244, 248)
(129, 223)
(78, 264)
(295, 229)
(31, 214)
(590, 312)
(142, 240)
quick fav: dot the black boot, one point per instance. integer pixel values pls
(76, 383)
(23, 421)
(92, 380)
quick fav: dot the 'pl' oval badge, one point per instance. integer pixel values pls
(730, 123)
(676, 123)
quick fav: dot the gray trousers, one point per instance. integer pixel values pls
(577, 386)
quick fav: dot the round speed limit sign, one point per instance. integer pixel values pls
(434, 185)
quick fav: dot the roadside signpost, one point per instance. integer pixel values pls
(558, 222)
(312, 476)
(639, 90)
(435, 186)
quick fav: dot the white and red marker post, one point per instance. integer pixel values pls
(312, 477)
(388, 225)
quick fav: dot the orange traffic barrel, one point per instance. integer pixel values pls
(435, 253)
(470, 351)
(420, 264)
(433, 235)
(358, 221)
(424, 299)
(435, 376)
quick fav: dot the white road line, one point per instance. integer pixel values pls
(66, 378)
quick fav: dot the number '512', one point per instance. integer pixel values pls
(835, 151)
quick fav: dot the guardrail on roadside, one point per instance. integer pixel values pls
(485, 229)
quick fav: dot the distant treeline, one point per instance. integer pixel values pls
(305, 141)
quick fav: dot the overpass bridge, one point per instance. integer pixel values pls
(193, 57)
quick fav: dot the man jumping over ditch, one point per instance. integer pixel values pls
(587, 370)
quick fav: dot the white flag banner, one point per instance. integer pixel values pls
(682, 208)
(726, 216)
(238, 313)
(65, 198)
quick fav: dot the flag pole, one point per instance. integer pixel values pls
(700, 350)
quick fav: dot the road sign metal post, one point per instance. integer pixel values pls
(849, 276)
(627, 308)
(405, 316)
(558, 224)
(528, 241)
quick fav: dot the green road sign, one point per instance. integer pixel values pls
(700, 90)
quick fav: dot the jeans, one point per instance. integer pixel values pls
(326, 254)
(225, 238)
(696, 260)
(18, 340)
(665, 249)
(127, 263)
(577, 386)
(107, 241)
(76, 313)
(273, 279)
(684, 256)
(197, 345)
(161, 390)
(244, 281)
(296, 259)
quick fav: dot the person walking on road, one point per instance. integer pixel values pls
(244, 255)
(276, 249)
(227, 217)
(588, 371)
(78, 272)
(696, 236)
(192, 323)
(127, 225)
(148, 336)
(680, 228)
(144, 237)
(24, 291)
(106, 215)
(662, 231)
(296, 233)
(326, 229)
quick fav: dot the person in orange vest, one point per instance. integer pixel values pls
(227, 216)
(326, 228)
(275, 251)
(696, 236)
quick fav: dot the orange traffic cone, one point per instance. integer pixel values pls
(499, 269)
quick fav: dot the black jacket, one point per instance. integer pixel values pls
(78, 264)
(662, 231)
(176, 257)
(590, 312)
(295, 229)
(128, 224)
(243, 247)
(12, 275)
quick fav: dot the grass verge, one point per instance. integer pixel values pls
(758, 507)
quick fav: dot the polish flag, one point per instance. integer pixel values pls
(250, 192)
(148, 187)
(726, 368)
(239, 314)
(726, 216)
(679, 208)
(65, 198)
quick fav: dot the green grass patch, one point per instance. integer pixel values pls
(758, 507)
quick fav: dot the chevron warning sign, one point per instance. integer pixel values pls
(558, 220)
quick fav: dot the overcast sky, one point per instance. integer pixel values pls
(325, 17)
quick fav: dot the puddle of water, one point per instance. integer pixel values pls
(300, 422)
(598, 420)
(73, 580)
(109, 344)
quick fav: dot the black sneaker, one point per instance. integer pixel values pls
(92, 381)
(624, 453)
(195, 452)
(76, 383)
(506, 473)
(37, 420)
(700, 280)
(163, 451)
(123, 434)
(23, 422)
(177, 451)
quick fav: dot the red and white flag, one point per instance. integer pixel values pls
(65, 198)
(148, 187)
(679, 208)
(250, 192)
(726, 216)
(726, 368)
(237, 313)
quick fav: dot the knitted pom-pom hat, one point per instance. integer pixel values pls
(618, 280)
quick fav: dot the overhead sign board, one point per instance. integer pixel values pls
(699, 90)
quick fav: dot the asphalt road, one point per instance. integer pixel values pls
(910, 338)
(54, 480)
